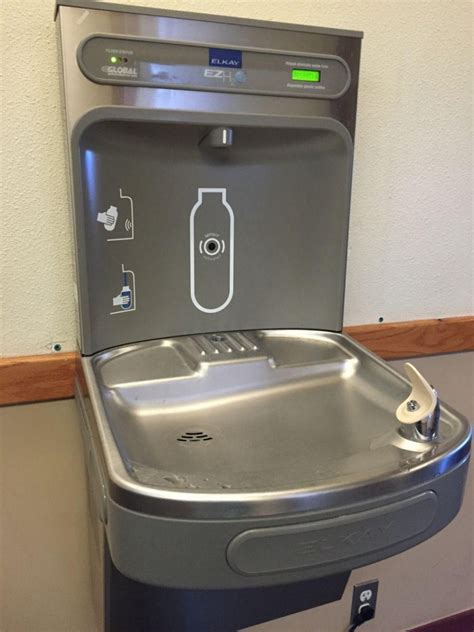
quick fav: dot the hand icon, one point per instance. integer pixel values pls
(124, 299)
(108, 218)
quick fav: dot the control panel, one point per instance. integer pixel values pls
(160, 64)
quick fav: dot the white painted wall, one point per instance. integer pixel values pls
(411, 228)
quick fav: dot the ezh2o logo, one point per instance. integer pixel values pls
(120, 71)
(225, 58)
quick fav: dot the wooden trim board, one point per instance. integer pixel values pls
(36, 378)
(46, 377)
(414, 338)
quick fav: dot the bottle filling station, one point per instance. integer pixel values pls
(243, 455)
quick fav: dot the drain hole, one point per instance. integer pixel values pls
(194, 435)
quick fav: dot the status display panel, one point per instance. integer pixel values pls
(300, 74)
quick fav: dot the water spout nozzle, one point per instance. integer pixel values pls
(218, 137)
(420, 412)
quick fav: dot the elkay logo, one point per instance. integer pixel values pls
(226, 58)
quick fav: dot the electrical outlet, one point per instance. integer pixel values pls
(364, 596)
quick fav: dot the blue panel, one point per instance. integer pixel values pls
(225, 58)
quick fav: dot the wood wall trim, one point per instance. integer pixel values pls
(41, 378)
(414, 338)
(36, 378)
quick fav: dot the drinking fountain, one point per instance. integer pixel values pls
(243, 455)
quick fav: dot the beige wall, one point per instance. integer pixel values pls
(411, 212)
(44, 580)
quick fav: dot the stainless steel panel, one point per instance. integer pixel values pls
(218, 19)
(288, 184)
(81, 95)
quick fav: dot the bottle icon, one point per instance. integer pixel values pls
(125, 299)
(211, 231)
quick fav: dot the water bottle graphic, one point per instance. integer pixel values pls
(211, 231)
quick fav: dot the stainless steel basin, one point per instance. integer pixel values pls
(259, 423)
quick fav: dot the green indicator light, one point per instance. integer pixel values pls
(298, 74)
(114, 59)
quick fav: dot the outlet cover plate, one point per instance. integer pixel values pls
(364, 594)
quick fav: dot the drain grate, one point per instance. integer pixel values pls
(218, 344)
(194, 436)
